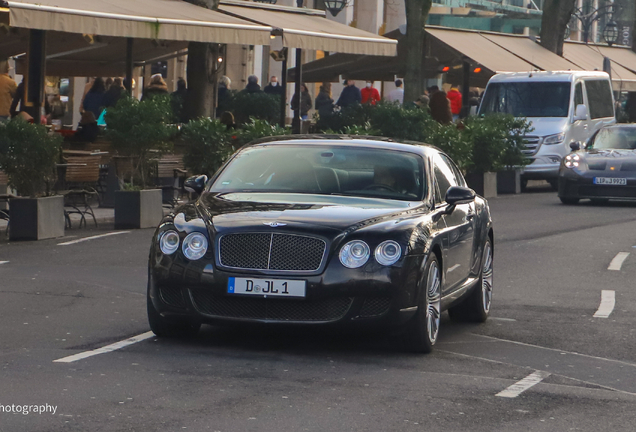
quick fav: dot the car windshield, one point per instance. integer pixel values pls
(527, 99)
(324, 169)
(615, 138)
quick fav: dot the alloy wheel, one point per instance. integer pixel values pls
(433, 301)
(487, 277)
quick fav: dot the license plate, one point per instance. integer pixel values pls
(266, 287)
(610, 181)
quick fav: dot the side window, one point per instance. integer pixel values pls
(599, 97)
(444, 176)
(459, 178)
(578, 95)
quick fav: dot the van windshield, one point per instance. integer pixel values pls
(527, 99)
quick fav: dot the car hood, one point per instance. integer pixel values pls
(318, 214)
(547, 126)
(611, 155)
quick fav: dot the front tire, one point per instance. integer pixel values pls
(422, 331)
(476, 307)
(569, 200)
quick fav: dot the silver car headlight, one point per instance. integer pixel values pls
(354, 254)
(195, 245)
(572, 161)
(169, 242)
(388, 252)
(554, 139)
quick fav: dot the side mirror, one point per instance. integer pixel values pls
(580, 113)
(575, 145)
(459, 195)
(196, 184)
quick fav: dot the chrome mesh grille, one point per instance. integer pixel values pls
(260, 251)
(375, 306)
(532, 144)
(331, 309)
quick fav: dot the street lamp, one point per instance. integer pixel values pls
(588, 16)
(610, 33)
(335, 6)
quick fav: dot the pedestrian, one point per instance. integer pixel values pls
(440, 108)
(350, 95)
(455, 98)
(397, 95)
(305, 102)
(227, 118)
(114, 93)
(17, 105)
(370, 94)
(252, 85)
(87, 130)
(422, 102)
(273, 87)
(324, 101)
(223, 94)
(177, 100)
(432, 89)
(157, 87)
(109, 82)
(8, 90)
(94, 99)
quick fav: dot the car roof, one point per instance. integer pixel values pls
(551, 76)
(349, 141)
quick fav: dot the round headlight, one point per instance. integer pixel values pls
(195, 245)
(354, 254)
(388, 252)
(169, 242)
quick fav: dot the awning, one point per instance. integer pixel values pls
(531, 52)
(590, 57)
(173, 20)
(490, 55)
(310, 29)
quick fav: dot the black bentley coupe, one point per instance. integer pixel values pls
(604, 168)
(332, 230)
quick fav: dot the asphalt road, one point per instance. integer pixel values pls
(551, 267)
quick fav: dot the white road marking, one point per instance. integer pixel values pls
(608, 300)
(106, 349)
(502, 319)
(4, 262)
(618, 260)
(455, 267)
(519, 387)
(83, 239)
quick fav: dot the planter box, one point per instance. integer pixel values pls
(509, 182)
(484, 184)
(37, 218)
(138, 209)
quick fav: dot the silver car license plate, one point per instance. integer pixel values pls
(610, 181)
(266, 287)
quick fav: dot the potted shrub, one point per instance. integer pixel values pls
(497, 141)
(139, 132)
(28, 154)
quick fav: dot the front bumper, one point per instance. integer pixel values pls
(372, 295)
(572, 185)
(542, 168)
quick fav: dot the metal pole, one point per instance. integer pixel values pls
(129, 65)
(299, 73)
(36, 71)
(283, 96)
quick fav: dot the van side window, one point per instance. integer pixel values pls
(599, 97)
(578, 95)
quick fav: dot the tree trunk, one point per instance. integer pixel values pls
(555, 19)
(416, 14)
(202, 84)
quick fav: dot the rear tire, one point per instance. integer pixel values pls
(569, 201)
(476, 307)
(420, 334)
(166, 327)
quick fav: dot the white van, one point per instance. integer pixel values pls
(563, 107)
